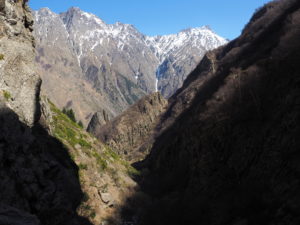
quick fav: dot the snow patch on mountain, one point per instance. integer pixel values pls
(88, 35)
(202, 36)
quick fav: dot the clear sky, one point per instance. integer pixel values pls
(158, 17)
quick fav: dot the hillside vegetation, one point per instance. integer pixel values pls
(105, 178)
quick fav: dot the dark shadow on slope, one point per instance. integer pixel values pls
(239, 165)
(39, 182)
(232, 158)
(255, 43)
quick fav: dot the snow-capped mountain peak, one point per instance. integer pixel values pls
(195, 37)
(44, 13)
(125, 50)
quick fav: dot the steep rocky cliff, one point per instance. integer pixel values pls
(19, 83)
(39, 183)
(228, 147)
(127, 132)
(98, 120)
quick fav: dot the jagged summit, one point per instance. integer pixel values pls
(87, 17)
(46, 10)
(74, 9)
(161, 44)
(44, 13)
(205, 27)
(203, 36)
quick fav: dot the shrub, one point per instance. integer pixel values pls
(80, 124)
(111, 153)
(93, 214)
(100, 161)
(115, 176)
(70, 113)
(86, 207)
(1, 57)
(82, 166)
(132, 172)
(85, 197)
(84, 143)
(6, 95)
(70, 133)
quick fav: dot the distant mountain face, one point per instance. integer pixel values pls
(86, 63)
(178, 55)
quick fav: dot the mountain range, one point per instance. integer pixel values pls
(222, 150)
(92, 66)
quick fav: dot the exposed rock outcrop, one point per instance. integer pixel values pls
(39, 182)
(228, 148)
(98, 120)
(127, 132)
(19, 83)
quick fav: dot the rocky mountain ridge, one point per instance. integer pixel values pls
(127, 132)
(115, 61)
(226, 150)
(178, 55)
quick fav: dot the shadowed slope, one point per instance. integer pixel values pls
(228, 147)
(39, 181)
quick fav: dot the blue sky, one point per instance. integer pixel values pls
(158, 17)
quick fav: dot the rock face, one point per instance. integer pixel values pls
(228, 147)
(19, 83)
(96, 66)
(39, 182)
(98, 120)
(127, 132)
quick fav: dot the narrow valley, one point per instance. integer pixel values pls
(103, 125)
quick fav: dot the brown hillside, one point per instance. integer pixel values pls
(127, 132)
(228, 147)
